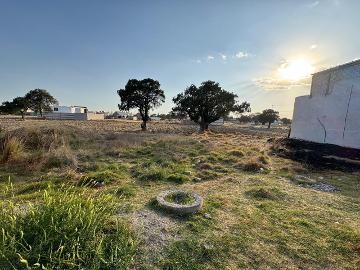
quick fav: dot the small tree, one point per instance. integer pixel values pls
(245, 119)
(207, 103)
(39, 100)
(268, 116)
(17, 105)
(143, 95)
(286, 121)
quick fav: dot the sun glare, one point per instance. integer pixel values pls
(295, 70)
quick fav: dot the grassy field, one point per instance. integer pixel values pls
(260, 211)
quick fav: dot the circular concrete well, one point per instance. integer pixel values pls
(180, 201)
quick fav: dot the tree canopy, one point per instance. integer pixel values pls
(39, 100)
(207, 103)
(268, 116)
(143, 95)
(17, 105)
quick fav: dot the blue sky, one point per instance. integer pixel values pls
(82, 51)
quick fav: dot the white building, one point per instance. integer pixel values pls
(72, 113)
(69, 109)
(331, 113)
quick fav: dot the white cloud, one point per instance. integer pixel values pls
(242, 55)
(313, 47)
(273, 84)
(210, 58)
(198, 61)
(223, 56)
(313, 4)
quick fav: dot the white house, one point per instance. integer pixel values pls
(331, 113)
(69, 109)
(72, 113)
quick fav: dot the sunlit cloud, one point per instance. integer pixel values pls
(313, 47)
(210, 57)
(313, 4)
(275, 84)
(289, 74)
(241, 55)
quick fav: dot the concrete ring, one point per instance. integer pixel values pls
(180, 208)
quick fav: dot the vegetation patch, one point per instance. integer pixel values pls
(65, 231)
(180, 198)
(103, 177)
(266, 194)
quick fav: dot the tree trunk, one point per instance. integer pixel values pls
(23, 115)
(204, 126)
(269, 124)
(143, 126)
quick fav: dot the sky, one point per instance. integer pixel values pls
(83, 51)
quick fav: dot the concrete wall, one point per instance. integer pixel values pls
(331, 114)
(74, 116)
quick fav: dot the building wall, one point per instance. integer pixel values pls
(74, 116)
(331, 114)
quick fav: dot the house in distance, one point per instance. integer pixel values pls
(72, 113)
(331, 113)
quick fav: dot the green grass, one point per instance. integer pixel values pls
(180, 198)
(66, 231)
(256, 219)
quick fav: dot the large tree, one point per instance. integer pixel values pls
(16, 106)
(207, 103)
(40, 100)
(268, 116)
(143, 95)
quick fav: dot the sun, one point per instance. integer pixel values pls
(295, 70)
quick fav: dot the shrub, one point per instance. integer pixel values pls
(12, 149)
(65, 231)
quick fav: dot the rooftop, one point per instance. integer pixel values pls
(352, 63)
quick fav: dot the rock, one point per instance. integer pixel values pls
(321, 178)
(207, 216)
(197, 179)
(208, 246)
(261, 169)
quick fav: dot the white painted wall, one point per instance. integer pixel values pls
(331, 114)
(68, 109)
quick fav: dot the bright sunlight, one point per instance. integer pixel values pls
(295, 70)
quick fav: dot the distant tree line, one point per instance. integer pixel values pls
(37, 100)
(268, 117)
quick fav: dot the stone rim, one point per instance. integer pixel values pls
(180, 208)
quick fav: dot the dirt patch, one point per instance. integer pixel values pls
(317, 155)
(155, 232)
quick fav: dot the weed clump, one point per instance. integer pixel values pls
(104, 177)
(178, 178)
(125, 191)
(266, 194)
(12, 149)
(65, 231)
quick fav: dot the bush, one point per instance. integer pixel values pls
(65, 231)
(12, 149)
